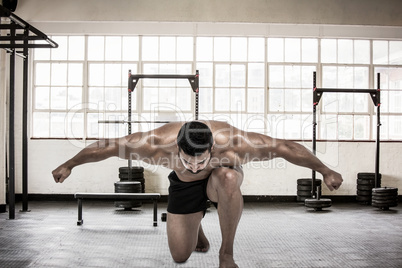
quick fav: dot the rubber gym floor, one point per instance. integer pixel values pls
(272, 234)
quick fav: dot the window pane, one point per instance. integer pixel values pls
(42, 74)
(380, 52)
(75, 125)
(276, 100)
(206, 74)
(292, 100)
(256, 74)
(96, 48)
(76, 47)
(130, 48)
(275, 50)
(237, 97)
(75, 74)
(40, 124)
(167, 48)
(222, 75)
(57, 125)
(292, 50)
(276, 76)
(61, 52)
(395, 52)
(204, 48)
(41, 54)
(222, 99)
(292, 76)
(41, 98)
(255, 100)
(59, 74)
(113, 48)
(345, 51)
(328, 127)
(361, 127)
(205, 100)
(345, 127)
(183, 98)
(58, 97)
(74, 98)
(293, 126)
(96, 97)
(150, 48)
(96, 74)
(237, 75)
(361, 52)
(221, 48)
(113, 75)
(309, 50)
(256, 49)
(328, 51)
(239, 49)
(185, 48)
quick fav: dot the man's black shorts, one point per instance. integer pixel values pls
(186, 197)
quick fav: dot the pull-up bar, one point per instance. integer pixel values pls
(192, 78)
(375, 95)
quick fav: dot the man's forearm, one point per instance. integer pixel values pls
(299, 155)
(95, 152)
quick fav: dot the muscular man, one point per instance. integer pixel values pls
(206, 159)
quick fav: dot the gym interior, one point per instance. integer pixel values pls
(325, 74)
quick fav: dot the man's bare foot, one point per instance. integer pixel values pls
(203, 243)
(226, 261)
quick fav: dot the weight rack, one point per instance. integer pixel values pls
(17, 35)
(375, 95)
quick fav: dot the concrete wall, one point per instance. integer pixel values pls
(316, 18)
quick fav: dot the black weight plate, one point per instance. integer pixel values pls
(363, 198)
(304, 193)
(308, 182)
(385, 198)
(318, 203)
(384, 205)
(365, 193)
(304, 188)
(133, 169)
(385, 190)
(367, 175)
(364, 187)
(383, 202)
(365, 182)
(133, 176)
(302, 198)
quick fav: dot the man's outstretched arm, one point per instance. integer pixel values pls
(102, 150)
(265, 147)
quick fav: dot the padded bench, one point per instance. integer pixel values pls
(118, 196)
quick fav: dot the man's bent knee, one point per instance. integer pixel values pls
(229, 178)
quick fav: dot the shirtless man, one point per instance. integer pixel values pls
(206, 159)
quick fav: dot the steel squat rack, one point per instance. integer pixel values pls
(132, 83)
(16, 38)
(375, 96)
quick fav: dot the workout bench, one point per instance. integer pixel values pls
(118, 196)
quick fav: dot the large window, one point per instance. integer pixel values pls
(256, 83)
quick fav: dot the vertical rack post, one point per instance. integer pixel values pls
(25, 125)
(377, 158)
(196, 97)
(129, 123)
(315, 103)
(11, 182)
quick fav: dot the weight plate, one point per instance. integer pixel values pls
(384, 206)
(308, 182)
(365, 182)
(365, 193)
(364, 187)
(133, 169)
(318, 203)
(304, 193)
(304, 188)
(133, 176)
(367, 175)
(383, 202)
(383, 198)
(385, 190)
(302, 198)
